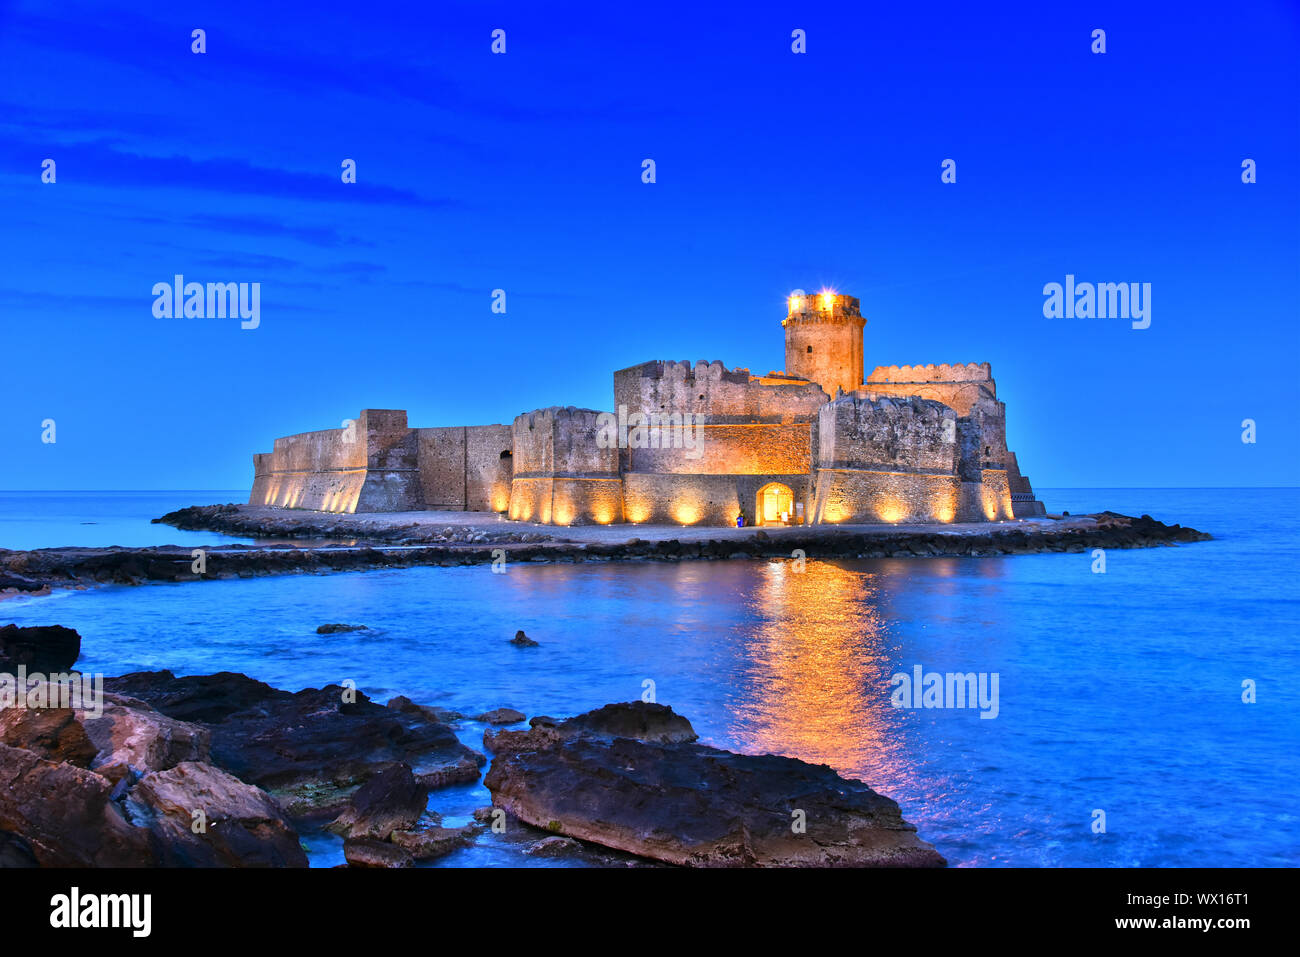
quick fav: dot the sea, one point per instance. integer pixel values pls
(1142, 707)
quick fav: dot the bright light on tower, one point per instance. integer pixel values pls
(828, 299)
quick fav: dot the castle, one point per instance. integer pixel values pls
(694, 445)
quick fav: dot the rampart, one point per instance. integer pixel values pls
(562, 474)
(377, 464)
(466, 468)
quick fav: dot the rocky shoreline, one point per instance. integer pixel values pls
(225, 771)
(36, 571)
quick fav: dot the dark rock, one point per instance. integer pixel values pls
(133, 738)
(243, 826)
(554, 847)
(522, 640)
(501, 716)
(365, 852)
(120, 789)
(312, 748)
(685, 803)
(15, 852)
(640, 720)
(390, 801)
(431, 712)
(427, 843)
(43, 649)
(53, 733)
(64, 814)
(464, 771)
(201, 698)
(337, 628)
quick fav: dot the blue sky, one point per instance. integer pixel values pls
(522, 172)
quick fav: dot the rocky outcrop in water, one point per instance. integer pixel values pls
(669, 798)
(44, 649)
(310, 749)
(501, 716)
(386, 824)
(63, 567)
(129, 788)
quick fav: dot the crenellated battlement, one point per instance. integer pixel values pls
(823, 307)
(711, 370)
(944, 372)
(549, 416)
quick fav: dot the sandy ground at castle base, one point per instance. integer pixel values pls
(491, 524)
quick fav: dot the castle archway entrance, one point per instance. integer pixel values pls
(775, 504)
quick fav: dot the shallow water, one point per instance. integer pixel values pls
(1118, 692)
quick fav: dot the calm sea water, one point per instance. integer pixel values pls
(53, 519)
(1118, 692)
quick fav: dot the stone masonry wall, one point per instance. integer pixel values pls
(727, 448)
(702, 499)
(902, 433)
(324, 470)
(463, 468)
(561, 474)
(867, 496)
(709, 388)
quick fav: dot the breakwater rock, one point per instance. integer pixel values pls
(631, 777)
(63, 567)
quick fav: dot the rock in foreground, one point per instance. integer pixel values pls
(685, 803)
(309, 749)
(129, 788)
(47, 649)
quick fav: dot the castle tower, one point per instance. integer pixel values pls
(823, 340)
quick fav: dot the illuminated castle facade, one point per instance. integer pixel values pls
(695, 445)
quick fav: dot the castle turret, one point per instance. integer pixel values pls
(823, 340)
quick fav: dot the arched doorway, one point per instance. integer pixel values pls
(775, 504)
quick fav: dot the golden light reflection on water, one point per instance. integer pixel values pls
(817, 675)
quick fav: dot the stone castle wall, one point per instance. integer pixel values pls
(673, 499)
(709, 388)
(562, 475)
(378, 464)
(960, 387)
(323, 470)
(466, 468)
(727, 448)
(900, 433)
(875, 496)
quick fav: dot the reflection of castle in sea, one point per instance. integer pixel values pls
(818, 442)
